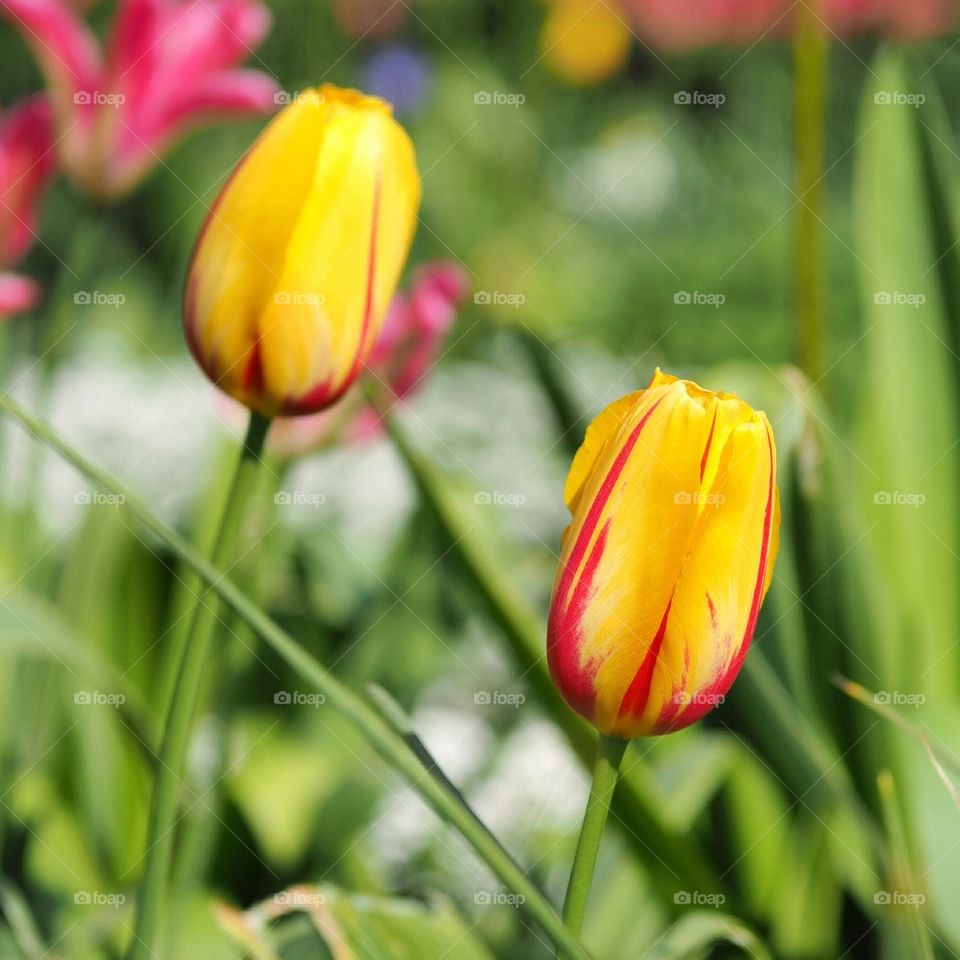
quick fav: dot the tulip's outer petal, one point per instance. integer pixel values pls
(26, 164)
(585, 41)
(296, 265)
(714, 606)
(667, 557)
(17, 294)
(348, 247)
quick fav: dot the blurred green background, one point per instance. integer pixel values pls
(588, 213)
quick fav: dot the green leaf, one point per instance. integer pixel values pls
(693, 936)
(910, 470)
(354, 927)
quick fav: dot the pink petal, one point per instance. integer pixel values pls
(17, 294)
(67, 51)
(26, 163)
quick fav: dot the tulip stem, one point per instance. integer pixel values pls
(606, 771)
(810, 95)
(168, 781)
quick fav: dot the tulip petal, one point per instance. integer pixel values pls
(720, 588)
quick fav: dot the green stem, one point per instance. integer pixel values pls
(810, 96)
(605, 773)
(183, 704)
(392, 748)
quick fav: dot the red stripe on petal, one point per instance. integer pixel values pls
(638, 693)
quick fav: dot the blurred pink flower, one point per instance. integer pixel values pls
(26, 163)
(17, 294)
(409, 346)
(674, 25)
(168, 67)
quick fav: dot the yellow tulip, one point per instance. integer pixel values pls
(585, 41)
(667, 559)
(300, 255)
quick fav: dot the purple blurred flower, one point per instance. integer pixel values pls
(400, 74)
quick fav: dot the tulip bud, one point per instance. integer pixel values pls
(667, 558)
(300, 255)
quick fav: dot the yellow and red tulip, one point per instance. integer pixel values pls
(667, 559)
(299, 258)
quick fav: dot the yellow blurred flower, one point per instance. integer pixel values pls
(300, 255)
(585, 41)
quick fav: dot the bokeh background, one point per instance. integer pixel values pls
(649, 217)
